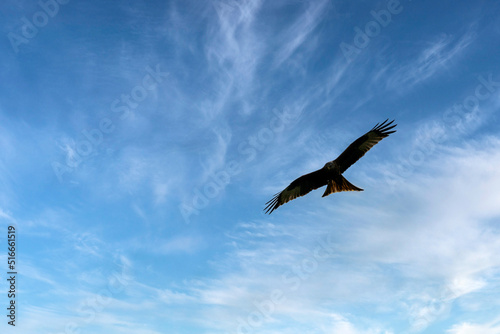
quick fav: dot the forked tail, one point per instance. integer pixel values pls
(339, 184)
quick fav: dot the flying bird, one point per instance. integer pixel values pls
(331, 174)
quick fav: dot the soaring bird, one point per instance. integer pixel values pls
(331, 174)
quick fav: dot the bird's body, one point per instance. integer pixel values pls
(331, 174)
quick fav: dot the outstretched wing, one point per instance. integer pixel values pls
(363, 144)
(297, 188)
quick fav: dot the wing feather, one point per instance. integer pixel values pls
(363, 144)
(319, 178)
(297, 188)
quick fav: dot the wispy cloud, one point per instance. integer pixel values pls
(106, 251)
(300, 32)
(233, 51)
(437, 57)
(447, 241)
(472, 328)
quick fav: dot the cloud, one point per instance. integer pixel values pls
(300, 32)
(471, 328)
(342, 325)
(104, 321)
(416, 253)
(233, 52)
(176, 298)
(6, 215)
(445, 250)
(172, 245)
(182, 244)
(429, 61)
(33, 272)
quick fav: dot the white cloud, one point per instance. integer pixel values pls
(172, 297)
(6, 215)
(342, 325)
(182, 244)
(432, 232)
(436, 57)
(301, 30)
(471, 328)
(416, 253)
(233, 51)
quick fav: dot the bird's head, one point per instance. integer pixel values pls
(329, 165)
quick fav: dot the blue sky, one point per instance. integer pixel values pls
(140, 140)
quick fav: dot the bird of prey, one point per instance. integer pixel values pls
(331, 174)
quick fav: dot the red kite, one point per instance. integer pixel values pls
(331, 173)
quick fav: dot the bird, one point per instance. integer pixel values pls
(331, 173)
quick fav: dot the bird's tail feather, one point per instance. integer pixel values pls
(339, 184)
